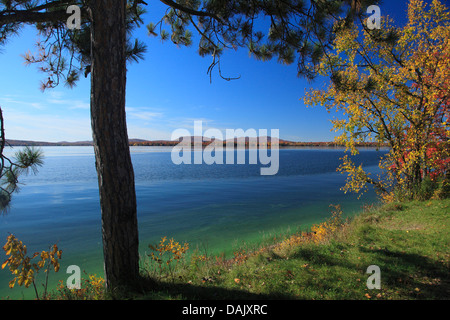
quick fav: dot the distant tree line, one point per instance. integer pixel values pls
(206, 142)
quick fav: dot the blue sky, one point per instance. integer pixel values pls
(168, 90)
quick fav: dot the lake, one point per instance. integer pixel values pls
(213, 207)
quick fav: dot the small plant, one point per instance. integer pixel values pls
(319, 232)
(443, 189)
(240, 256)
(197, 259)
(22, 266)
(323, 230)
(167, 252)
(92, 288)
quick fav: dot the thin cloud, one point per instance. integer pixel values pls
(143, 114)
(70, 104)
(8, 101)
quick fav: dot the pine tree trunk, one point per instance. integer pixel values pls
(112, 153)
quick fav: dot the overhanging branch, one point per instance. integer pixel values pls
(55, 11)
(23, 16)
(190, 11)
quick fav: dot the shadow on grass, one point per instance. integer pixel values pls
(413, 275)
(153, 289)
(419, 277)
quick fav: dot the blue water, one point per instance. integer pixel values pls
(218, 207)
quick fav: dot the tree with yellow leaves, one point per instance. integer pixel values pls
(22, 267)
(393, 86)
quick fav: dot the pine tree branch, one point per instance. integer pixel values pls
(25, 16)
(190, 11)
(34, 15)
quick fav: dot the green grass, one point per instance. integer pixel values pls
(408, 241)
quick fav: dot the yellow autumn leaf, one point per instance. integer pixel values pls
(5, 263)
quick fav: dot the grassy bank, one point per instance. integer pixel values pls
(409, 242)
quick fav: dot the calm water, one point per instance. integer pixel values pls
(218, 207)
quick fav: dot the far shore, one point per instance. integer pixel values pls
(206, 142)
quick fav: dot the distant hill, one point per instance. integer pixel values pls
(17, 143)
(205, 141)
